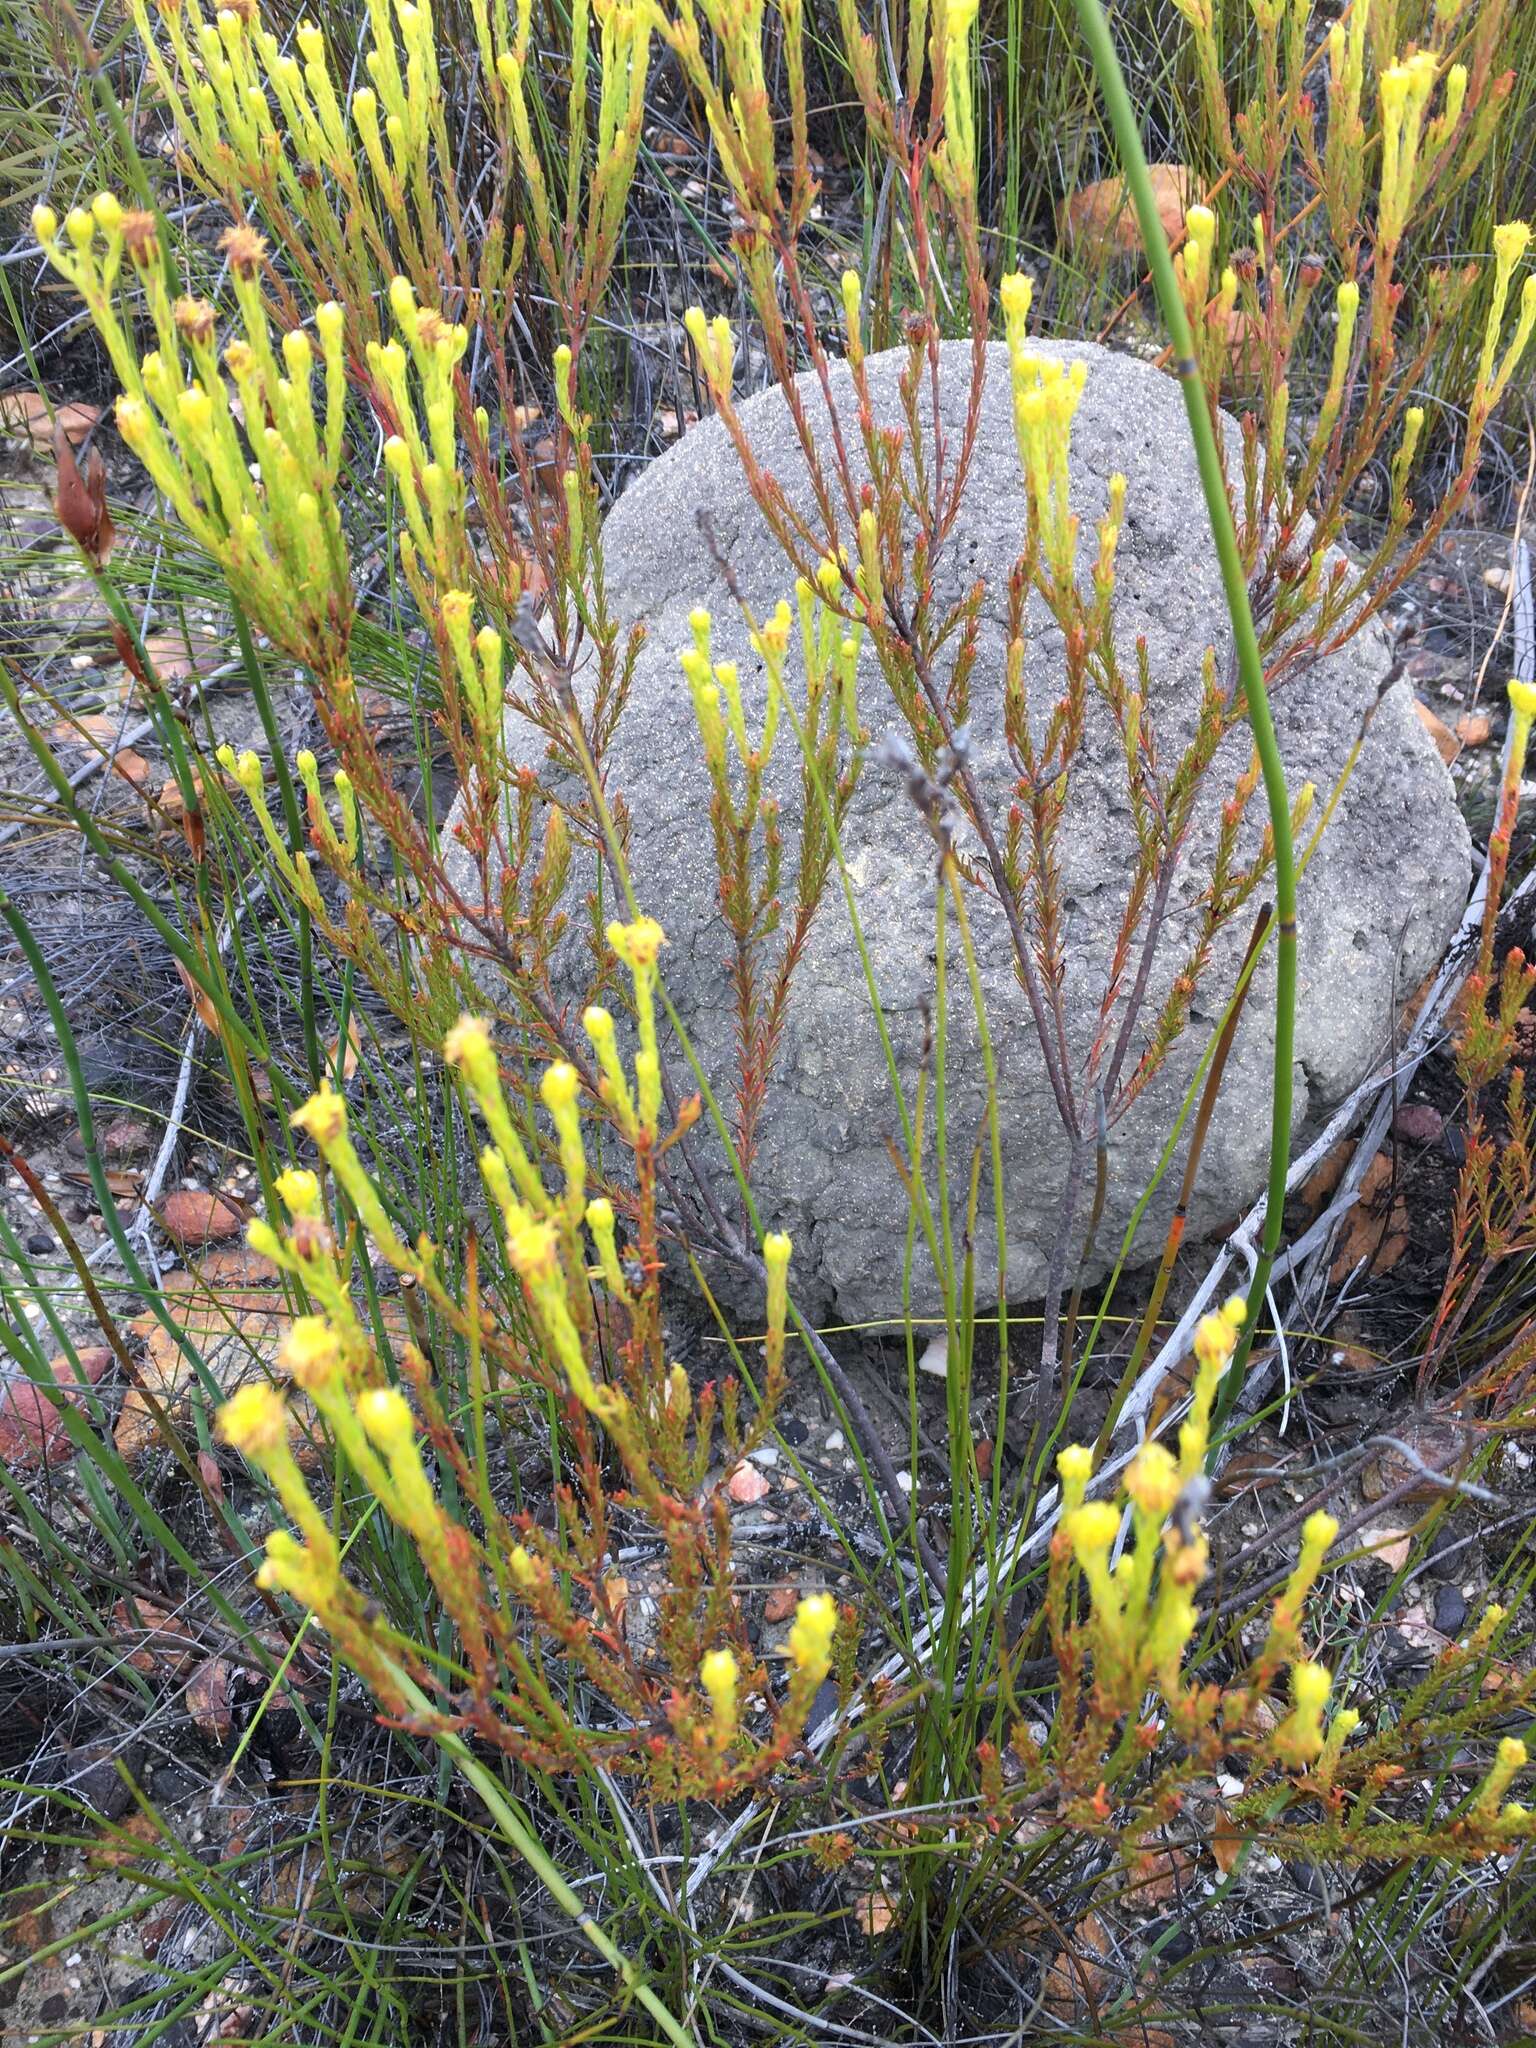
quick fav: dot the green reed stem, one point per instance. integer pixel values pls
(1122, 115)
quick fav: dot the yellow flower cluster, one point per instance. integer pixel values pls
(374, 1428)
(809, 1650)
(330, 1357)
(715, 687)
(477, 667)
(542, 1227)
(1142, 1608)
(258, 118)
(341, 848)
(715, 347)
(1215, 1341)
(1142, 1613)
(1404, 92)
(955, 161)
(1510, 243)
(1138, 1638)
(237, 446)
(742, 122)
(1046, 392)
(624, 47)
(421, 455)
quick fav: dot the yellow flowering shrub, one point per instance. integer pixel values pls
(703, 1713)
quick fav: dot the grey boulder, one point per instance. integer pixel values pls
(1378, 901)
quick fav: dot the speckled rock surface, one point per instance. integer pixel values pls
(1378, 901)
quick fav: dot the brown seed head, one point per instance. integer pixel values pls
(245, 249)
(310, 1238)
(140, 239)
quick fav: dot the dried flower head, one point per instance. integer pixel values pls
(243, 249)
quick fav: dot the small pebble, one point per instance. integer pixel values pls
(1450, 1610)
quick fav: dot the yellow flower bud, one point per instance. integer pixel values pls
(521, 1566)
(1522, 698)
(1152, 1481)
(1017, 293)
(1510, 1757)
(45, 223)
(810, 1637)
(1299, 1739)
(264, 1240)
(560, 1086)
(386, 1415)
(1318, 1532)
(1074, 1468)
(1509, 243)
(533, 1251)
(254, 1420)
(600, 1221)
(1310, 1687)
(298, 1190)
(324, 1116)
(776, 1254)
(718, 1674)
(852, 314)
(402, 302)
(1213, 1341)
(298, 356)
(637, 944)
(108, 212)
(1092, 1528)
(489, 647)
(311, 1351)
(468, 1044)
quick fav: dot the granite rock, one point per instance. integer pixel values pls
(1378, 901)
